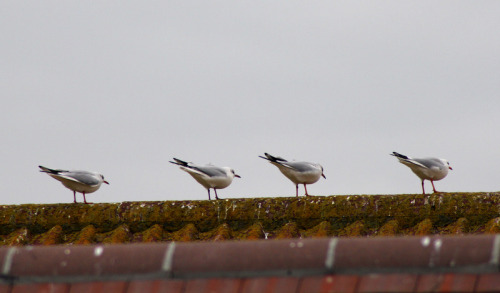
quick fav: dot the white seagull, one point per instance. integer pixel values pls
(209, 176)
(78, 181)
(297, 172)
(432, 169)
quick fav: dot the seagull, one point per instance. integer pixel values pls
(78, 181)
(209, 176)
(297, 172)
(432, 169)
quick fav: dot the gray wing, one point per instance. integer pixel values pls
(299, 166)
(210, 171)
(430, 162)
(84, 177)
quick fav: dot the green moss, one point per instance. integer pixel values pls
(119, 235)
(493, 226)
(86, 236)
(354, 230)
(461, 226)
(323, 229)
(316, 216)
(153, 234)
(424, 228)
(51, 237)
(289, 230)
(390, 228)
(188, 233)
(254, 232)
(223, 232)
(17, 238)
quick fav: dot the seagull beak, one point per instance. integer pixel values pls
(323, 176)
(106, 182)
(450, 167)
(236, 175)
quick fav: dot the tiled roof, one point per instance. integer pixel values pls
(250, 219)
(281, 245)
(381, 264)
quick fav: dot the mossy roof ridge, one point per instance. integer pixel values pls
(366, 213)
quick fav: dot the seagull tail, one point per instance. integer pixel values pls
(48, 170)
(398, 155)
(271, 158)
(179, 162)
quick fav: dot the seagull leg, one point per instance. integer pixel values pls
(84, 199)
(305, 187)
(434, 188)
(208, 193)
(297, 190)
(423, 189)
(74, 196)
(216, 197)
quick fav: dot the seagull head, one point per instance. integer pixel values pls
(234, 174)
(102, 178)
(446, 163)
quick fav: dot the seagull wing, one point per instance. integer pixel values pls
(210, 171)
(408, 161)
(83, 177)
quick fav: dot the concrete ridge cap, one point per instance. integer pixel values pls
(291, 257)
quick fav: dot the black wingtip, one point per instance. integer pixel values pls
(398, 155)
(272, 158)
(268, 157)
(179, 162)
(48, 170)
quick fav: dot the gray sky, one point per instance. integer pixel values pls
(121, 88)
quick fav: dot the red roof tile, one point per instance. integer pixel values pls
(99, 287)
(330, 284)
(227, 285)
(156, 286)
(400, 283)
(488, 283)
(447, 283)
(270, 285)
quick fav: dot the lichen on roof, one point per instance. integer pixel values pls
(251, 218)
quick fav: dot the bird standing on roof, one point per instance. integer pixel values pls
(209, 176)
(432, 169)
(298, 172)
(78, 181)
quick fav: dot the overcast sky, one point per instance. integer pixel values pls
(122, 87)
